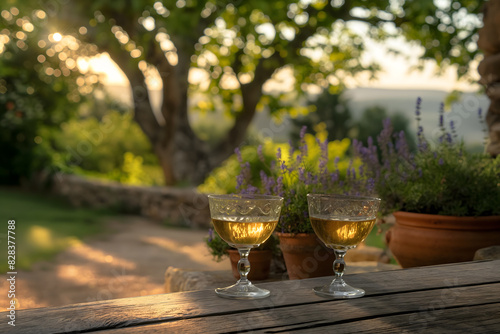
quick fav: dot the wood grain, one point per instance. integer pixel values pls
(176, 307)
(418, 308)
(472, 319)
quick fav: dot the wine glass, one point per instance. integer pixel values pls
(341, 222)
(244, 222)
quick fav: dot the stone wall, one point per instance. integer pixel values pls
(184, 207)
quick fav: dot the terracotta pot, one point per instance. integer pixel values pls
(422, 239)
(260, 263)
(306, 256)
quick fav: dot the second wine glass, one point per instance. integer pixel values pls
(341, 223)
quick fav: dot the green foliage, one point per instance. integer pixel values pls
(446, 29)
(132, 172)
(101, 145)
(37, 93)
(446, 180)
(111, 148)
(371, 123)
(222, 180)
(239, 45)
(309, 169)
(439, 178)
(330, 113)
(44, 226)
(227, 39)
(218, 248)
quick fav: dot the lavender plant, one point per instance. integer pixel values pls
(303, 170)
(439, 178)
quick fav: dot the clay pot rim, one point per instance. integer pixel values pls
(434, 221)
(252, 251)
(293, 235)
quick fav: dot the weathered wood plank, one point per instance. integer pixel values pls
(471, 319)
(176, 306)
(416, 307)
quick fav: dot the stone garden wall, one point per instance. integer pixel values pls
(184, 207)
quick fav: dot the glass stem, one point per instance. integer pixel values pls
(339, 265)
(244, 265)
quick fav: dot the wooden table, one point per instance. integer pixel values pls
(463, 298)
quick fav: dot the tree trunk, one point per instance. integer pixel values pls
(489, 69)
(183, 157)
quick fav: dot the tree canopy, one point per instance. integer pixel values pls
(227, 52)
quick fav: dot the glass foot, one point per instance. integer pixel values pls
(339, 290)
(242, 291)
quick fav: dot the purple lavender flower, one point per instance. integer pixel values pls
(273, 164)
(279, 186)
(291, 148)
(448, 138)
(303, 145)
(259, 153)
(303, 132)
(441, 162)
(263, 179)
(302, 177)
(238, 155)
(322, 165)
(419, 102)
(250, 190)
(420, 131)
(239, 181)
(304, 149)
(420, 172)
(441, 121)
(310, 179)
(370, 185)
(268, 185)
(361, 170)
(402, 147)
(210, 234)
(480, 113)
(384, 138)
(278, 154)
(283, 166)
(334, 176)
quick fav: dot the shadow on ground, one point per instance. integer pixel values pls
(128, 261)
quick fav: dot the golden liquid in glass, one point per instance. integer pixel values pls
(342, 234)
(244, 233)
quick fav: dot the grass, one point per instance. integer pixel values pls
(44, 226)
(376, 238)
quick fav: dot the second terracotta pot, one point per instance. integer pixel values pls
(423, 239)
(306, 256)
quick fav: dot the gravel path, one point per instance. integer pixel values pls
(129, 260)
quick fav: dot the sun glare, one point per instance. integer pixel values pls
(57, 37)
